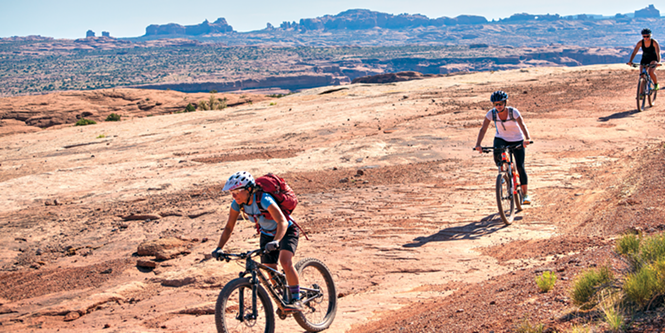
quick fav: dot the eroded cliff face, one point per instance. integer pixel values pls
(219, 26)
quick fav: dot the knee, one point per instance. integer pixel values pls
(286, 261)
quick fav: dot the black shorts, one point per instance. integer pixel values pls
(647, 59)
(288, 243)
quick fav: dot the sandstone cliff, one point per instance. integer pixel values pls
(219, 26)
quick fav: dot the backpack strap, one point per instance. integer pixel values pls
(266, 214)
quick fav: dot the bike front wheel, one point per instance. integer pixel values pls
(505, 199)
(234, 312)
(318, 295)
(641, 98)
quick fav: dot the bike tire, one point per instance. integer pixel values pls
(504, 199)
(226, 312)
(641, 84)
(653, 99)
(518, 200)
(313, 271)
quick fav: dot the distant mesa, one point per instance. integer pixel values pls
(394, 77)
(361, 19)
(106, 34)
(205, 28)
(648, 12)
(90, 33)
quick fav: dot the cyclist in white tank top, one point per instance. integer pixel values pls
(510, 129)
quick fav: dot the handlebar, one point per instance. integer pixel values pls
(245, 255)
(489, 149)
(648, 65)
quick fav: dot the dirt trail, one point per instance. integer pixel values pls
(413, 228)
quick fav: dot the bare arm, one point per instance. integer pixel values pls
(525, 131)
(632, 55)
(657, 46)
(282, 225)
(228, 229)
(481, 134)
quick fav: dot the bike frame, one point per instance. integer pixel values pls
(507, 159)
(645, 72)
(255, 269)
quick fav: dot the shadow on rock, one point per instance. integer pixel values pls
(489, 224)
(618, 115)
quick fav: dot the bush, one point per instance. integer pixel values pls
(113, 117)
(190, 108)
(203, 105)
(526, 327)
(222, 103)
(613, 318)
(84, 122)
(628, 244)
(546, 281)
(586, 285)
(652, 249)
(646, 284)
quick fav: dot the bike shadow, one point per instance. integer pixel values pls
(487, 225)
(618, 115)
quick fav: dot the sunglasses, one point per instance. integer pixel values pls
(237, 191)
(498, 103)
(646, 36)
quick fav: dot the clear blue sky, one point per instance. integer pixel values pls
(125, 18)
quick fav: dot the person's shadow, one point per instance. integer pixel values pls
(618, 115)
(474, 230)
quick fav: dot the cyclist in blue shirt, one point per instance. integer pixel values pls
(278, 234)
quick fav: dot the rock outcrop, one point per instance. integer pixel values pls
(205, 28)
(360, 19)
(647, 12)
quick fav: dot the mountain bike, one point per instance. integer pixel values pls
(645, 87)
(508, 189)
(244, 303)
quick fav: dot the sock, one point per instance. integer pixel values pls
(295, 292)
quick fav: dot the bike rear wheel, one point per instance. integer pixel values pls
(316, 284)
(505, 200)
(641, 99)
(235, 316)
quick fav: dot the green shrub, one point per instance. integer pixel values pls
(578, 329)
(613, 318)
(113, 117)
(101, 136)
(190, 108)
(526, 327)
(646, 284)
(546, 281)
(587, 284)
(652, 249)
(222, 103)
(213, 91)
(84, 122)
(628, 244)
(203, 105)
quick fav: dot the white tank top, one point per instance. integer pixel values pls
(507, 129)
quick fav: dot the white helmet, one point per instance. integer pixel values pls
(239, 179)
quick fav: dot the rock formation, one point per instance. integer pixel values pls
(647, 12)
(360, 19)
(219, 26)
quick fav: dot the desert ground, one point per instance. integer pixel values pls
(392, 197)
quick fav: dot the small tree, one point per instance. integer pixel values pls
(113, 117)
(84, 122)
(203, 105)
(190, 108)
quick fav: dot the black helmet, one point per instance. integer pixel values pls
(646, 31)
(498, 96)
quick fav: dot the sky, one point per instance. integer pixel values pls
(124, 18)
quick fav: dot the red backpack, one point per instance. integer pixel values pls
(281, 192)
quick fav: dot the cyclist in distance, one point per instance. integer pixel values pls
(650, 54)
(278, 234)
(510, 130)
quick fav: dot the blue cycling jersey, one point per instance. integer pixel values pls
(266, 226)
